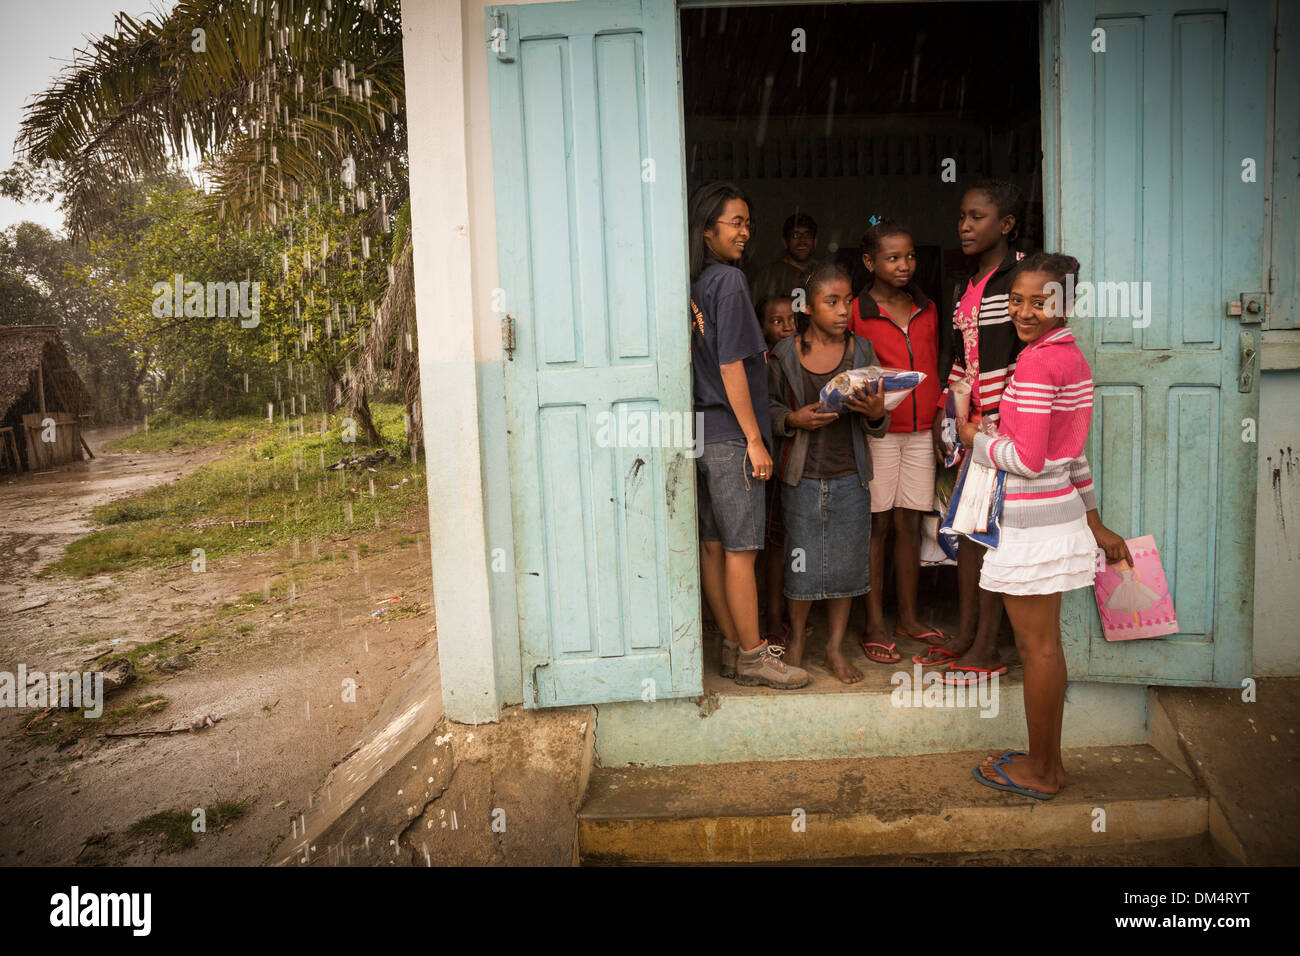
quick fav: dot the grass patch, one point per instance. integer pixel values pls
(159, 649)
(62, 728)
(176, 827)
(170, 433)
(277, 484)
(173, 826)
(405, 609)
(149, 704)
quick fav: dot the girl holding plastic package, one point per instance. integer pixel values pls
(1050, 527)
(902, 325)
(825, 467)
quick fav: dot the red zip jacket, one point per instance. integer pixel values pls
(917, 350)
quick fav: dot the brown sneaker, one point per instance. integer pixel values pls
(763, 665)
(729, 654)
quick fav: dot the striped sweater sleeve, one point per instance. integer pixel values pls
(1081, 478)
(1046, 410)
(1024, 456)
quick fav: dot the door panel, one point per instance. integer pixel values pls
(1154, 131)
(589, 182)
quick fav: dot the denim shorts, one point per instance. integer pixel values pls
(827, 538)
(729, 498)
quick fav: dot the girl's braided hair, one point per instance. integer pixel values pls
(879, 230)
(1064, 269)
(1009, 199)
(1056, 264)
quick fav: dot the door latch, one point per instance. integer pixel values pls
(1249, 353)
(1248, 307)
(500, 40)
(508, 337)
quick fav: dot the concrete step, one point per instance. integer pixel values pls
(1183, 852)
(894, 711)
(882, 808)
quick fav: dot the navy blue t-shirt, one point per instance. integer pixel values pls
(731, 334)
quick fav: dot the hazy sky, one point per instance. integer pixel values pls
(37, 39)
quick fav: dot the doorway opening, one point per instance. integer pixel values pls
(847, 111)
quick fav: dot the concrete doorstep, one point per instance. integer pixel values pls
(824, 810)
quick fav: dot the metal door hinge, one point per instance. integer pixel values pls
(500, 40)
(1249, 307)
(508, 337)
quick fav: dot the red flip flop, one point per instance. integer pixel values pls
(885, 647)
(980, 673)
(929, 634)
(925, 659)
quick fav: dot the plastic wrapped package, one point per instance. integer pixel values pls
(975, 510)
(956, 411)
(898, 384)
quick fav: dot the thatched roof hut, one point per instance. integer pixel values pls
(36, 377)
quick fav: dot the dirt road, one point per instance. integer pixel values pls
(267, 643)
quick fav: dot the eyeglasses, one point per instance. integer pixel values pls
(737, 223)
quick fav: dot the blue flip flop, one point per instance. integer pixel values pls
(1010, 786)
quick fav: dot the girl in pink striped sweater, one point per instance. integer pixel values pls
(1050, 526)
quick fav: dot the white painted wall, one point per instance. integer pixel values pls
(462, 387)
(1277, 527)
(436, 108)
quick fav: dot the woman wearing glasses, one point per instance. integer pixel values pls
(730, 389)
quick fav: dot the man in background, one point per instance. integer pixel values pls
(780, 278)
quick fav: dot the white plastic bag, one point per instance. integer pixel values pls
(898, 384)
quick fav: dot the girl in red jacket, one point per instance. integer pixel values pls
(902, 325)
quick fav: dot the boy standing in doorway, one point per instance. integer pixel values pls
(799, 237)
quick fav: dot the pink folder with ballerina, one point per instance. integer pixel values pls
(1135, 601)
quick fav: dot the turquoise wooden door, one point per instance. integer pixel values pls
(1163, 148)
(586, 132)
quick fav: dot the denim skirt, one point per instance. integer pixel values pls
(827, 538)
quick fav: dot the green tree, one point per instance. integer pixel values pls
(281, 100)
(194, 363)
(40, 285)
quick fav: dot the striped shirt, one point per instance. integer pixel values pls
(997, 345)
(1046, 410)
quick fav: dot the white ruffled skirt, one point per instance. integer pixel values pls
(1045, 560)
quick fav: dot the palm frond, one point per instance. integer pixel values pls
(270, 94)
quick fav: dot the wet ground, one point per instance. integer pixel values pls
(46, 511)
(274, 671)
